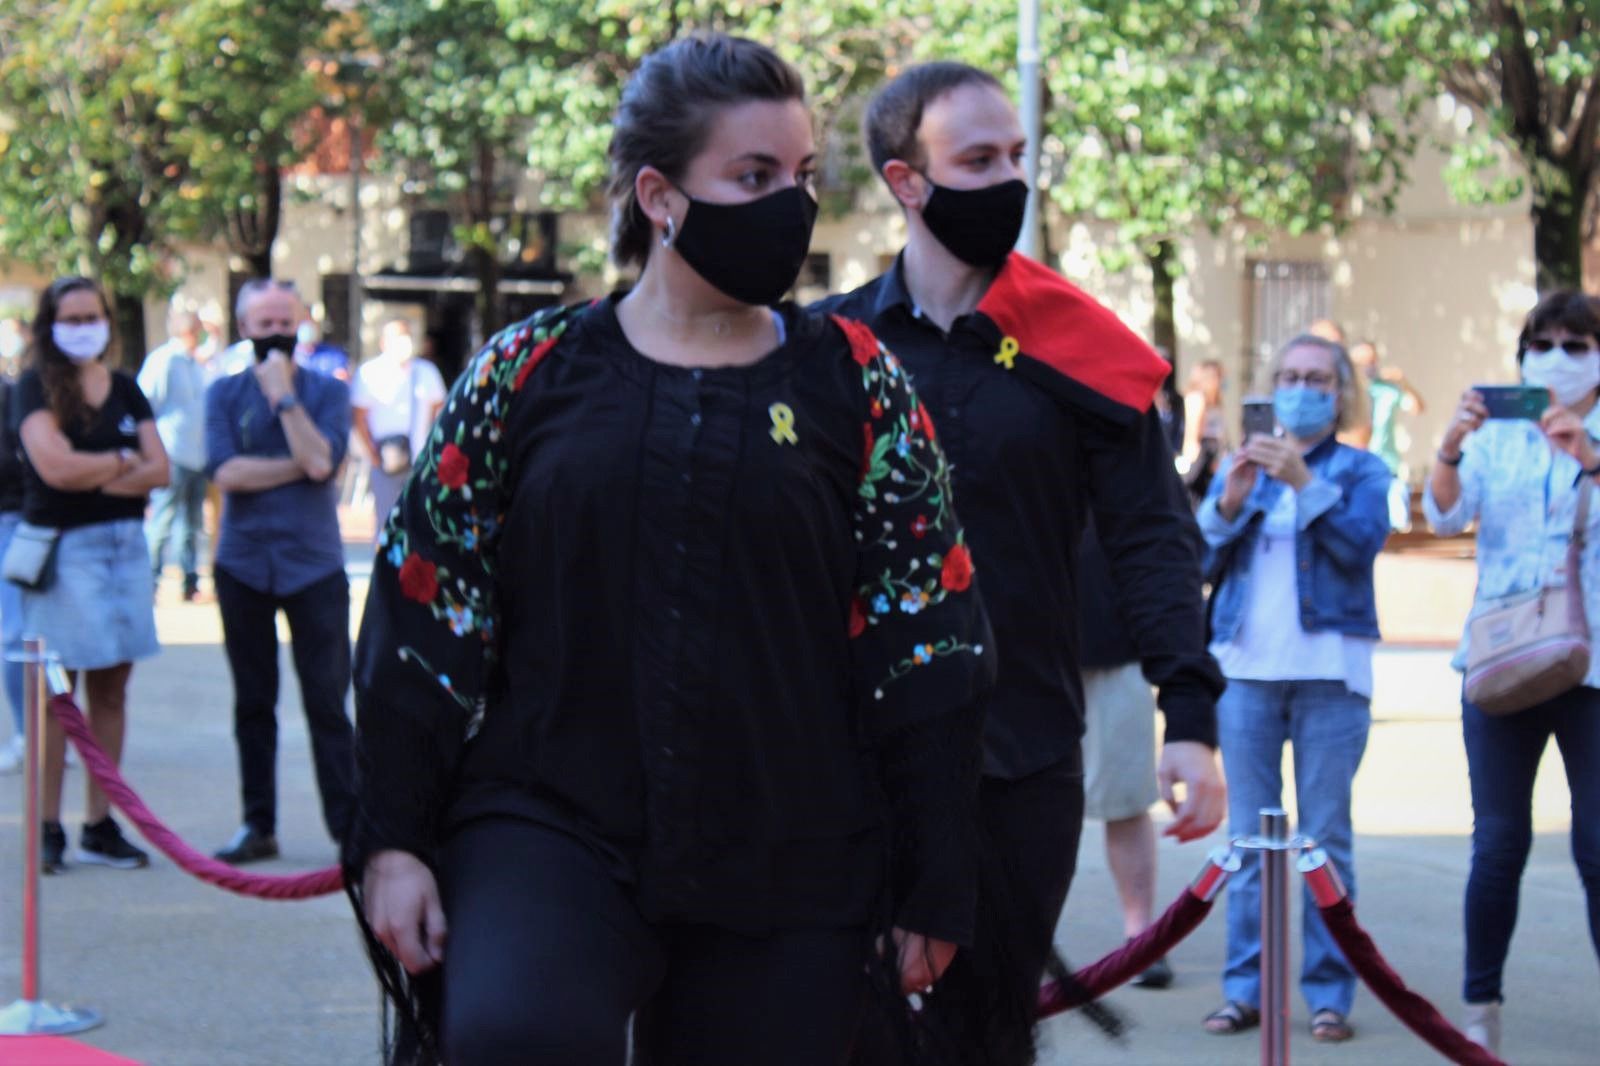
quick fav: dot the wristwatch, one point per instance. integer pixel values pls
(288, 403)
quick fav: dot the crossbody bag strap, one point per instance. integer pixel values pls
(1580, 533)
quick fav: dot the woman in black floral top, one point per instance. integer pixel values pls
(671, 673)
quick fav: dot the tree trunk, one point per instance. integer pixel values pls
(1558, 197)
(127, 313)
(253, 228)
(1163, 321)
(484, 254)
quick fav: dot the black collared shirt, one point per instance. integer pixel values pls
(1029, 464)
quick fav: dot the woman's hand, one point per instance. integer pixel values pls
(1281, 459)
(1565, 430)
(1470, 414)
(922, 960)
(403, 909)
(1242, 474)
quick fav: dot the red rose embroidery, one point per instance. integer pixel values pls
(419, 579)
(858, 617)
(956, 575)
(863, 345)
(535, 357)
(453, 464)
(866, 451)
(919, 526)
(927, 422)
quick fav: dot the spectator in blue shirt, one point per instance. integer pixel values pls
(174, 379)
(275, 435)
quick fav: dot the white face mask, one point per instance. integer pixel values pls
(82, 343)
(1568, 377)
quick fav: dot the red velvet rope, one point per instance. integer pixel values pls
(1128, 961)
(212, 871)
(1420, 1016)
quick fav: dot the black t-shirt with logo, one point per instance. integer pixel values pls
(111, 427)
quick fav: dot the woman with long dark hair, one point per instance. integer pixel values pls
(92, 455)
(669, 684)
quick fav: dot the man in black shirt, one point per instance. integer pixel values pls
(1042, 400)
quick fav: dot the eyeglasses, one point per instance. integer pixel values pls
(1572, 345)
(255, 285)
(1316, 379)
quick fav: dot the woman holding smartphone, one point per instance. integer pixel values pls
(1520, 479)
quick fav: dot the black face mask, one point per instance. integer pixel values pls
(753, 251)
(978, 226)
(277, 342)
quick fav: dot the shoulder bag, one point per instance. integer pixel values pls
(1532, 647)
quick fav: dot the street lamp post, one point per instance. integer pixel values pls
(1032, 118)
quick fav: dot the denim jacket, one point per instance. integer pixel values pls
(1342, 516)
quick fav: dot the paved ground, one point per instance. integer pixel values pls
(187, 974)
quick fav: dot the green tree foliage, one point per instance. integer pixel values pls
(126, 125)
(1530, 69)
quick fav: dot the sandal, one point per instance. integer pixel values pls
(1232, 1017)
(1328, 1026)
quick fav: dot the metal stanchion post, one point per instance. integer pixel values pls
(31, 1015)
(1274, 844)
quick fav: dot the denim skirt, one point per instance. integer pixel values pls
(100, 609)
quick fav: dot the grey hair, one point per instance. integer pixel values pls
(1351, 399)
(255, 287)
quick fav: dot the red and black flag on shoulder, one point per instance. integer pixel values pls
(1068, 343)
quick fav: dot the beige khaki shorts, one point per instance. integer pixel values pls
(1119, 744)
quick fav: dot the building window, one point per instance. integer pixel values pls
(1285, 298)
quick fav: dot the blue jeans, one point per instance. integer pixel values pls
(1327, 725)
(1502, 758)
(11, 626)
(180, 504)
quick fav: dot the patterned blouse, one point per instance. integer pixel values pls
(1523, 495)
(703, 619)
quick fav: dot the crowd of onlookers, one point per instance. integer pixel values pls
(105, 478)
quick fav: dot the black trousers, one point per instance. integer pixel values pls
(982, 1012)
(319, 634)
(547, 958)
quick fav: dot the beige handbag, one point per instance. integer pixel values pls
(1533, 646)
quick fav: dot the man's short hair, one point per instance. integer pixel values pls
(255, 287)
(895, 114)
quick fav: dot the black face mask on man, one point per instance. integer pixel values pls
(977, 226)
(752, 251)
(275, 342)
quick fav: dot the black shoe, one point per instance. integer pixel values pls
(191, 589)
(52, 848)
(1157, 975)
(248, 845)
(103, 844)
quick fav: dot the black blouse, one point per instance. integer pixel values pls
(704, 619)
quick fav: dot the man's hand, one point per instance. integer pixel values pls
(1280, 458)
(403, 909)
(922, 960)
(275, 376)
(1205, 796)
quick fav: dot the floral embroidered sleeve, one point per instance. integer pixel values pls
(427, 645)
(922, 648)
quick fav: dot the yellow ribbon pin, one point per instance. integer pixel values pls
(1007, 355)
(783, 423)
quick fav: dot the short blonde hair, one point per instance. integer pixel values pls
(1350, 395)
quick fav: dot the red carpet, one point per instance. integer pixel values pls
(55, 1051)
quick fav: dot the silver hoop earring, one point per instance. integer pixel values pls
(671, 233)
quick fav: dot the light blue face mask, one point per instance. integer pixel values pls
(1303, 411)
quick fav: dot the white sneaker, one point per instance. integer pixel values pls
(11, 755)
(1482, 1025)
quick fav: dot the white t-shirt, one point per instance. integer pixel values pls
(1270, 644)
(399, 397)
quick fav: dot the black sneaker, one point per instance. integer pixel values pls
(1157, 975)
(52, 848)
(248, 845)
(103, 844)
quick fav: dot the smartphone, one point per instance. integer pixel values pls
(1514, 401)
(1259, 421)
